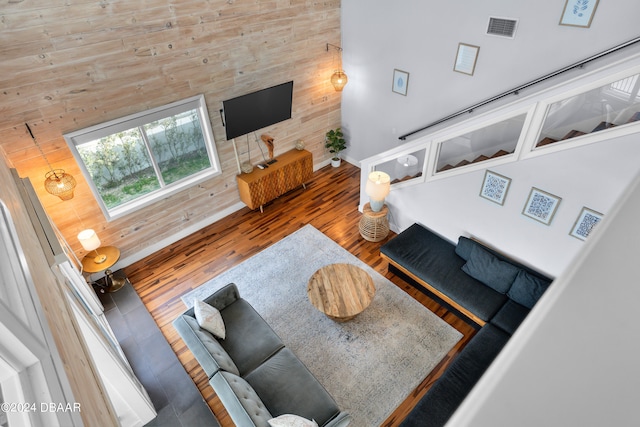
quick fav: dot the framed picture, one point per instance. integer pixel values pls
(400, 82)
(495, 187)
(541, 206)
(585, 222)
(466, 58)
(578, 13)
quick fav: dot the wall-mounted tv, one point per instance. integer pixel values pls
(257, 110)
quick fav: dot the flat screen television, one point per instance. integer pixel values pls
(248, 113)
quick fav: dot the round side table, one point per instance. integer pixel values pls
(374, 226)
(102, 259)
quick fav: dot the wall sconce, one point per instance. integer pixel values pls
(339, 78)
(377, 188)
(56, 181)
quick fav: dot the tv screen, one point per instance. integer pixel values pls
(256, 110)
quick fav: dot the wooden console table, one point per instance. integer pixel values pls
(292, 169)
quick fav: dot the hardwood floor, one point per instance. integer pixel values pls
(330, 204)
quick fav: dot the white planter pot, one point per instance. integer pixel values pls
(335, 162)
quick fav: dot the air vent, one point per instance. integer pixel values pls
(502, 27)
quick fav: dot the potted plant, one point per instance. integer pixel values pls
(335, 142)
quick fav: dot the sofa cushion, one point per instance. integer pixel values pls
(510, 316)
(527, 289)
(242, 403)
(481, 265)
(464, 247)
(209, 318)
(205, 348)
(291, 420)
(250, 340)
(433, 259)
(444, 397)
(286, 386)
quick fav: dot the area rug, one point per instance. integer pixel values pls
(369, 364)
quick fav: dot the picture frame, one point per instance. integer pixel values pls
(585, 223)
(578, 13)
(541, 206)
(466, 58)
(400, 82)
(495, 187)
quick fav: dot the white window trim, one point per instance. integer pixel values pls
(98, 131)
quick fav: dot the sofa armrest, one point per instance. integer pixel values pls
(240, 400)
(342, 420)
(220, 299)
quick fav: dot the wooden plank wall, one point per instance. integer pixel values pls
(66, 65)
(84, 379)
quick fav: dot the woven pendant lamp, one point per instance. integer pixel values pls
(57, 182)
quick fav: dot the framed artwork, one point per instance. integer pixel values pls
(495, 187)
(541, 206)
(585, 222)
(578, 13)
(466, 58)
(400, 82)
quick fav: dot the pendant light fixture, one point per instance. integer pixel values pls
(56, 181)
(339, 77)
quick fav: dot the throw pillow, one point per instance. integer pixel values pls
(209, 318)
(464, 247)
(527, 289)
(290, 420)
(488, 269)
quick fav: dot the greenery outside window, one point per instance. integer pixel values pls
(136, 160)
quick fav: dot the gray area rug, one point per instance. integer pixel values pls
(369, 364)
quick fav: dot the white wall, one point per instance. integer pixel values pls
(422, 38)
(453, 206)
(573, 362)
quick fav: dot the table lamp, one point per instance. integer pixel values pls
(377, 188)
(90, 242)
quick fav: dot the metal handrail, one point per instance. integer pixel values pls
(524, 86)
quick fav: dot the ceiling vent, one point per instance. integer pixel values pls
(502, 27)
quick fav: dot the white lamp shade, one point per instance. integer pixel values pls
(378, 185)
(89, 240)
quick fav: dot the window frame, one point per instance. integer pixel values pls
(92, 133)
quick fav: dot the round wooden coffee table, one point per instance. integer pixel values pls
(341, 291)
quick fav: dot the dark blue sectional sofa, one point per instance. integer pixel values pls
(493, 292)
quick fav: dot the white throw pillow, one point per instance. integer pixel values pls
(209, 318)
(290, 420)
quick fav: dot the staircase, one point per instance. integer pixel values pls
(575, 133)
(601, 117)
(478, 159)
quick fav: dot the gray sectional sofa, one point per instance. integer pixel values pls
(255, 376)
(492, 291)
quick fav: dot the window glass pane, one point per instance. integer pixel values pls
(178, 146)
(482, 144)
(614, 104)
(120, 167)
(404, 167)
(135, 160)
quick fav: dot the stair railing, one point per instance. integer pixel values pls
(516, 90)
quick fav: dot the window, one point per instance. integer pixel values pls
(489, 142)
(135, 160)
(604, 107)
